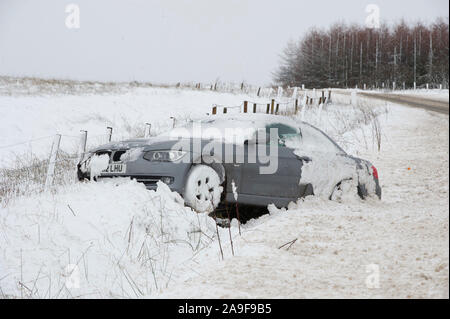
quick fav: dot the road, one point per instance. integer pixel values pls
(411, 100)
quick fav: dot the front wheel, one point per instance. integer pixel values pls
(203, 190)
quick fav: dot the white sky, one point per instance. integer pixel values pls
(167, 41)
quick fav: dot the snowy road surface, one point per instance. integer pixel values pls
(427, 103)
(341, 247)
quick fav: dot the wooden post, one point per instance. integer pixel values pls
(254, 107)
(148, 126)
(224, 110)
(323, 95)
(214, 110)
(329, 95)
(320, 100)
(272, 105)
(52, 162)
(277, 109)
(174, 120)
(296, 106)
(110, 129)
(259, 91)
(82, 147)
(268, 108)
(245, 106)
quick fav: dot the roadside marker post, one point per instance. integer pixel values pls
(52, 162)
(110, 129)
(82, 147)
(148, 126)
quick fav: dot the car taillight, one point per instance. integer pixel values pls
(374, 172)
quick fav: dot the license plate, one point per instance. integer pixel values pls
(115, 169)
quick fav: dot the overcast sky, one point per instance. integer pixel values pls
(169, 41)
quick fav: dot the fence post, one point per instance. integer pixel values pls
(52, 162)
(296, 106)
(245, 106)
(268, 108)
(259, 91)
(277, 109)
(272, 105)
(329, 95)
(224, 110)
(82, 148)
(174, 120)
(414, 86)
(110, 129)
(148, 126)
(323, 95)
(214, 110)
(353, 100)
(254, 107)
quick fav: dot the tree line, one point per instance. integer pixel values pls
(350, 55)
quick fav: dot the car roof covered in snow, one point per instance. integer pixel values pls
(229, 128)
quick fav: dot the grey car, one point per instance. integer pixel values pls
(304, 160)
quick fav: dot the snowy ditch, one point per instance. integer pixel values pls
(105, 239)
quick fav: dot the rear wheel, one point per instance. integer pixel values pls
(203, 190)
(343, 189)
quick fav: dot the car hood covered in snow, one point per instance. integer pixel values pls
(154, 143)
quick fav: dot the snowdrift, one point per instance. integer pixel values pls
(106, 239)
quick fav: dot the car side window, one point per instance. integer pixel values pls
(285, 132)
(315, 140)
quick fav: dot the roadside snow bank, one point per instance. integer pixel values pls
(105, 239)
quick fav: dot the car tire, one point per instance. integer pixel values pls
(203, 190)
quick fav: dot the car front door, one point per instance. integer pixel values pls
(281, 181)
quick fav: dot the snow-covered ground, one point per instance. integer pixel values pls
(116, 239)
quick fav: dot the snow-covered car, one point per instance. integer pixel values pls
(252, 159)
